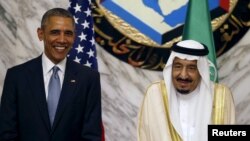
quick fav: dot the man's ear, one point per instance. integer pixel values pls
(40, 33)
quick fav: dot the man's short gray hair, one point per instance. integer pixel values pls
(56, 12)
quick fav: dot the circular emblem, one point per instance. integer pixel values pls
(142, 32)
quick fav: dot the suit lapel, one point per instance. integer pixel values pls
(38, 90)
(67, 93)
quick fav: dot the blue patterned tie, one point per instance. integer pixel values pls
(54, 91)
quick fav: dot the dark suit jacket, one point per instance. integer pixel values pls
(24, 114)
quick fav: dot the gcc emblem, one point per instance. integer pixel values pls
(141, 32)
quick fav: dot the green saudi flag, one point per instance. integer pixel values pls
(198, 27)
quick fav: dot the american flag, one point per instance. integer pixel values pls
(84, 50)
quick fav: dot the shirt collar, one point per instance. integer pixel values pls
(48, 64)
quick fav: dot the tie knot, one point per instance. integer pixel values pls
(55, 70)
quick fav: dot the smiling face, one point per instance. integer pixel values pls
(185, 75)
(58, 37)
